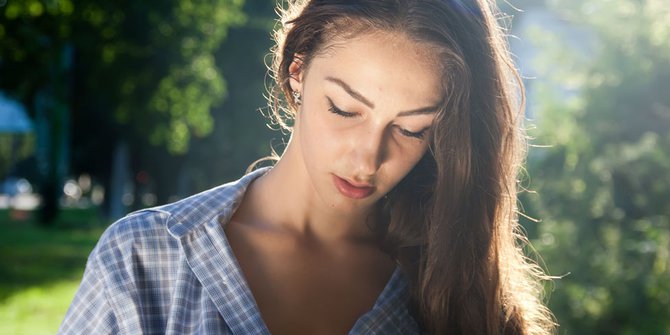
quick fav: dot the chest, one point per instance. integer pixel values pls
(301, 289)
(313, 303)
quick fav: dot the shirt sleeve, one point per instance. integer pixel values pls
(90, 311)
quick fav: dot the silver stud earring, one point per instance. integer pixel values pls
(297, 98)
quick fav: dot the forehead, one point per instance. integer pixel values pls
(383, 63)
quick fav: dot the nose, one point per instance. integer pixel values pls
(369, 152)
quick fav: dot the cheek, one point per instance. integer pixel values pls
(318, 139)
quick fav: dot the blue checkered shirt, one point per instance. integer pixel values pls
(170, 270)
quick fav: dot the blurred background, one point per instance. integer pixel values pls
(112, 106)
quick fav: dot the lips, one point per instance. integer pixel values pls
(354, 191)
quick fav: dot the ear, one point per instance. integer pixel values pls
(295, 70)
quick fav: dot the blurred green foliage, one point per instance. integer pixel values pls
(150, 63)
(149, 75)
(603, 184)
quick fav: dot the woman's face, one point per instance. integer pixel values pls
(367, 106)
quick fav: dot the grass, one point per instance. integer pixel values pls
(41, 267)
(38, 309)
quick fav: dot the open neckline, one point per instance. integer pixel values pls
(388, 296)
(198, 226)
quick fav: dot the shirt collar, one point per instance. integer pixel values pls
(196, 222)
(219, 202)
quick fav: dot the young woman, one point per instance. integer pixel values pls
(391, 210)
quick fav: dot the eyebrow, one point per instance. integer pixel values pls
(420, 111)
(356, 95)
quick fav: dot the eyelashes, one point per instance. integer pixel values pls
(333, 109)
(420, 135)
(337, 111)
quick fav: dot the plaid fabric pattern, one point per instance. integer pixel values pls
(170, 270)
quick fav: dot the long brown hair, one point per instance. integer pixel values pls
(451, 223)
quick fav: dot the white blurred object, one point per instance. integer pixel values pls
(85, 182)
(4, 201)
(72, 190)
(97, 195)
(17, 193)
(25, 202)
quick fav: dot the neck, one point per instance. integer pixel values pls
(285, 200)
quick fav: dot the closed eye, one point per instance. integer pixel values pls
(333, 109)
(420, 135)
